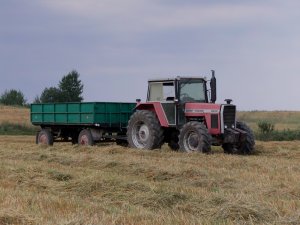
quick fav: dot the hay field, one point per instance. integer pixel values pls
(281, 119)
(108, 184)
(17, 115)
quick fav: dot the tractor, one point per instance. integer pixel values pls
(182, 112)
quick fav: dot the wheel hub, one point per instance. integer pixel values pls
(192, 141)
(43, 139)
(141, 134)
(144, 133)
(84, 140)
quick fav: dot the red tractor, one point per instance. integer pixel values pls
(179, 112)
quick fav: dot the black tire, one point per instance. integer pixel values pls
(122, 143)
(44, 137)
(173, 141)
(246, 148)
(74, 138)
(144, 131)
(85, 138)
(194, 137)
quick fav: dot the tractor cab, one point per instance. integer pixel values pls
(179, 90)
(174, 94)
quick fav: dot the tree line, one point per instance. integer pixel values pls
(69, 89)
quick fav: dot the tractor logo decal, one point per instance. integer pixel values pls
(213, 111)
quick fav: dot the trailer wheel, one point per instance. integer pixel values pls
(85, 138)
(245, 148)
(44, 137)
(144, 131)
(194, 137)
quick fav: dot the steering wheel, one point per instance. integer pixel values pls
(186, 98)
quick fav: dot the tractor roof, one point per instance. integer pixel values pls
(175, 78)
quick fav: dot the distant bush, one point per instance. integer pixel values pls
(16, 129)
(276, 135)
(266, 132)
(265, 127)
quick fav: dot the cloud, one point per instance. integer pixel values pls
(142, 15)
(250, 44)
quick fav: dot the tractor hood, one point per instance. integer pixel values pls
(201, 108)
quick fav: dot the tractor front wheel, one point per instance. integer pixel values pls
(194, 137)
(144, 131)
(244, 148)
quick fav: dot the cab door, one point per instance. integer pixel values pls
(164, 92)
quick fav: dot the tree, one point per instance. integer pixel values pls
(37, 100)
(13, 97)
(51, 94)
(71, 87)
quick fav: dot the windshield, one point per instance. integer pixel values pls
(192, 91)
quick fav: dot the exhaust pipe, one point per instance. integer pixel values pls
(213, 87)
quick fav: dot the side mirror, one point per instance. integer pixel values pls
(213, 87)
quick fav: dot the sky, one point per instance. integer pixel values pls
(117, 45)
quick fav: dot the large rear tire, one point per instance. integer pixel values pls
(245, 148)
(85, 138)
(144, 130)
(194, 137)
(44, 137)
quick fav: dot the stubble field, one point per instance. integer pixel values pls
(107, 184)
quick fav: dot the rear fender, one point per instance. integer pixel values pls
(155, 107)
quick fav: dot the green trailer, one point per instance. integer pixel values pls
(83, 123)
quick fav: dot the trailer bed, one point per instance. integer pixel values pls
(101, 114)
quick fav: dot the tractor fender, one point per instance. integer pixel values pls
(157, 108)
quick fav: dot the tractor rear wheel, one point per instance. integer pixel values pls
(194, 137)
(44, 137)
(85, 138)
(245, 148)
(144, 130)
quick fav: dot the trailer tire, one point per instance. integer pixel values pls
(85, 138)
(194, 137)
(246, 148)
(44, 137)
(144, 131)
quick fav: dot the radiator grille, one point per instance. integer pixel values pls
(229, 113)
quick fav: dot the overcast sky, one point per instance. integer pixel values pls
(117, 45)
